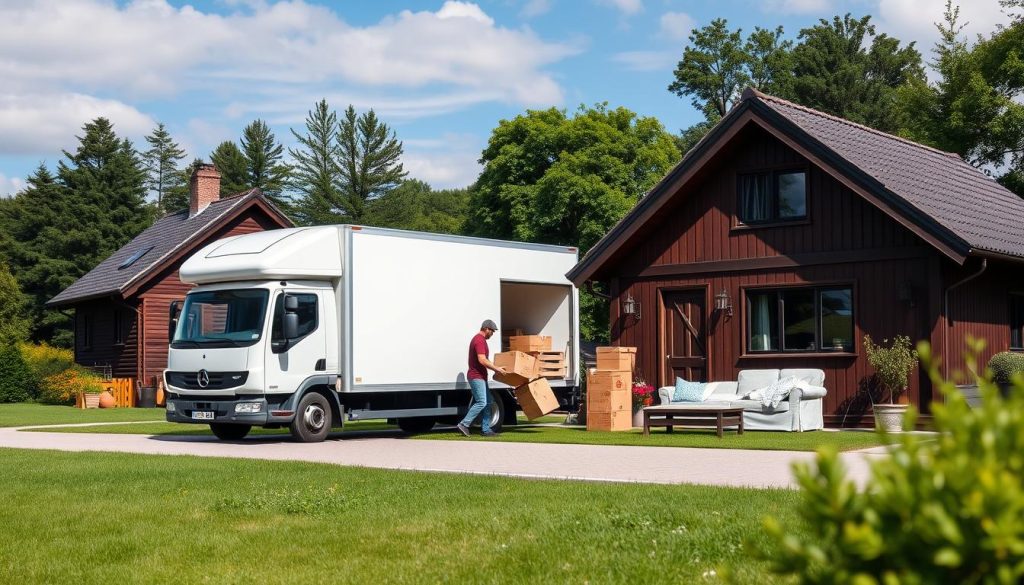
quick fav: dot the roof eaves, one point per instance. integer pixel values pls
(584, 268)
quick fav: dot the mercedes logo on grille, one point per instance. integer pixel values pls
(203, 378)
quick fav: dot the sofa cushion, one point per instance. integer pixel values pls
(689, 391)
(750, 380)
(756, 406)
(722, 390)
(812, 376)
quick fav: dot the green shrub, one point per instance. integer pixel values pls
(1004, 365)
(62, 387)
(15, 377)
(940, 509)
(44, 361)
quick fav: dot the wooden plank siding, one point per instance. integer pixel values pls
(103, 353)
(695, 243)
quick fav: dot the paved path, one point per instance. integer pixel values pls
(665, 465)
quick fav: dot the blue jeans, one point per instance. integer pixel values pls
(481, 401)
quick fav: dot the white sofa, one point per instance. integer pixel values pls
(801, 411)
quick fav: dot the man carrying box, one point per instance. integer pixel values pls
(477, 375)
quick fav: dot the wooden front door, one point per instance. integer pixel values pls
(685, 336)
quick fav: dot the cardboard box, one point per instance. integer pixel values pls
(536, 399)
(606, 381)
(521, 367)
(529, 343)
(610, 421)
(609, 401)
(616, 358)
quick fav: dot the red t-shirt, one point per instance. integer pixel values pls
(478, 346)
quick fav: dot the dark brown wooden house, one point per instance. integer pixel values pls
(121, 307)
(788, 234)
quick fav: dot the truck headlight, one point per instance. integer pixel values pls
(171, 407)
(248, 407)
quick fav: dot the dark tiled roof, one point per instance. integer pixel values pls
(969, 204)
(947, 197)
(166, 236)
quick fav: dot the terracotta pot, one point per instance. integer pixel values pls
(106, 399)
(889, 417)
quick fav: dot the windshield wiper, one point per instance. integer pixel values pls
(185, 342)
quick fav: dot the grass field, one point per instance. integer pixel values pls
(103, 518)
(24, 414)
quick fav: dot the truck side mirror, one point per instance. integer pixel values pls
(172, 322)
(291, 304)
(291, 325)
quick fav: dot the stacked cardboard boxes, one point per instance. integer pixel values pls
(522, 372)
(609, 390)
(551, 364)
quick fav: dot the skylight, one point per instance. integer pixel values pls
(134, 258)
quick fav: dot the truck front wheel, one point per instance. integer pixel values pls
(229, 432)
(312, 419)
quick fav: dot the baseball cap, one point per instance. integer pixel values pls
(488, 324)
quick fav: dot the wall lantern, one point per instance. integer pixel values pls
(631, 307)
(723, 302)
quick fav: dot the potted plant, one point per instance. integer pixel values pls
(892, 365)
(88, 387)
(643, 395)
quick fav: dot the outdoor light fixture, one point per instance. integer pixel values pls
(631, 307)
(723, 302)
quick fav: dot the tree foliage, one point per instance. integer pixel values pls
(233, 168)
(14, 322)
(263, 166)
(177, 197)
(413, 205)
(161, 163)
(556, 179)
(62, 226)
(370, 162)
(317, 174)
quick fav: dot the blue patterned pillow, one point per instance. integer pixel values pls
(688, 391)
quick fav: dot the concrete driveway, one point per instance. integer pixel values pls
(664, 465)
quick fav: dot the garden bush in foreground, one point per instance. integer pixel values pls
(44, 361)
(15, 377)
(945, 509)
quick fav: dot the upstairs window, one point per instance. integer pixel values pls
(772, 197)
(1017, 321)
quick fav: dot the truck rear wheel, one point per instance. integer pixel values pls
(312, 420)
(416, 424)
(230, 432)
(495, 412)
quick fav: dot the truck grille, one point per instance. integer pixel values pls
(218, 380)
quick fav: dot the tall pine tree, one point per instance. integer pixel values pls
(316, 174)
(161, 162)
(369, 161)
(264, 168)
(177, 198)
(231, 164)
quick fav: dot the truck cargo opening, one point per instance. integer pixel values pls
(538, 309)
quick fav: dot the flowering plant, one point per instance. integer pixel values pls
(643, 395)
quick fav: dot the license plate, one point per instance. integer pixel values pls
(202, 415)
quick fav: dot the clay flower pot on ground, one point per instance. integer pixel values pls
(892, 366)
(643, 395)
(106, 399)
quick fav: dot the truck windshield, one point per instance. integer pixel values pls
(222, 318)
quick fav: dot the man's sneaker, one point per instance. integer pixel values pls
(462, 429)
(490, 434)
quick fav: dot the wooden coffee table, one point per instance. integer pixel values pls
(696, 415)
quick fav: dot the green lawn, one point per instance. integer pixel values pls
(104, 518)
(24, 414)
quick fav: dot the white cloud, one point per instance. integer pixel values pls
(676, 26)
(10, 185)
(625, 6)
(446, 162)
(813, 7)
(45, 123)
(534, 8)
(62, 59)
(914, 20)
(647, 60)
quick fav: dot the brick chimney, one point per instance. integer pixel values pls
(204, 188)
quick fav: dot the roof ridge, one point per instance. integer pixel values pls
(751, 92)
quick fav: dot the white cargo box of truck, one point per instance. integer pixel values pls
(384, 321)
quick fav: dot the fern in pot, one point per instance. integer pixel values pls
(893, 365)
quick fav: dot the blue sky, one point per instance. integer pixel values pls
(442, 74)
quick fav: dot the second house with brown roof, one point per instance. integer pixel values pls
(122, 305)
(788, 234)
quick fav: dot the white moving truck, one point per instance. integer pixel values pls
(309, 327)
